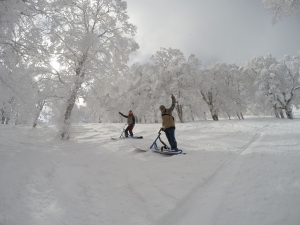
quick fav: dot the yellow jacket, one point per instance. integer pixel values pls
(167, 118)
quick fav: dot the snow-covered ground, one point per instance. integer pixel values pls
(235, 172)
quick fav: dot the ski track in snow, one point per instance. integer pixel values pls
(93, 180)
(207, 203)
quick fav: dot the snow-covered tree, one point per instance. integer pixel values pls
(174, 75)
(15, 100)
(24, 57)
(211, 89)
(10, 14)
(193, 104)
(280, 83)
(256, 102)
(141, 94)
(88, 38)
(279, 8)
(231, 90)
(101, 98)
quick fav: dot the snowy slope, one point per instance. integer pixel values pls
(235, 172)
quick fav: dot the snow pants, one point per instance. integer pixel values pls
(170, 133)
(129, 128)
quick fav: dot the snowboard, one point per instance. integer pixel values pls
(168, 152)
(134, 137)
(165, 152)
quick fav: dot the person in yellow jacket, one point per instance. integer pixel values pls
(168, 123)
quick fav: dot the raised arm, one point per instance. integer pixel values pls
(123, 115)
(173, 103)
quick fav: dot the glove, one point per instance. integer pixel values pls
(120, 113)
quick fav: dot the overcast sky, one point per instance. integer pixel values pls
(230, 31)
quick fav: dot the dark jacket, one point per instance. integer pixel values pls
(130, 119)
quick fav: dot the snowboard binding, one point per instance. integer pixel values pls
(164, 148)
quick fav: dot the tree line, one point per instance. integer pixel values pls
(91, 40)
(263, 86)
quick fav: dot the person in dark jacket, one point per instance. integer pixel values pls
(130, 123)
(168, 123)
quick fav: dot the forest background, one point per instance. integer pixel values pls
(66, 61)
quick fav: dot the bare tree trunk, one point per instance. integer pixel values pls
(215, 117)
(286, 104)
(2, 116)
(40, 107)
(281, 113)
(228, 115)
(155, 118)
(214, 114)
(65, 133)
(289, 112)
(16, 119)
(205, 117)
(179, 112)
(242, 116)
(192, 114)
(239, 113)
(209, 101)
(276, 111)
(67, 117)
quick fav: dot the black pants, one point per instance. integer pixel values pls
(129, 128)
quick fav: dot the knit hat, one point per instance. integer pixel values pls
(162, 107)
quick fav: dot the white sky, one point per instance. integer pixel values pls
(218, 30)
